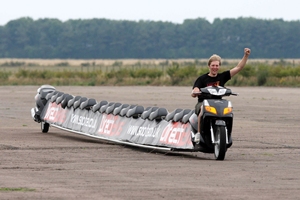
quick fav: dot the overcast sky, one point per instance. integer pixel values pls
(175, 11)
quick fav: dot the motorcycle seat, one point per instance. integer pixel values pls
(103, 108)
(87, 104)
(187, 116)
(135, 111)
(60, 98)
(54, 97)
(158, 114)
(111, 108)
(178, 116)
(64, 102)
(78, 102)
(118, 109)
(44, 93)
(147, 112)
(171, 114)
(97, 106)
(124, 110)
(49, 95)
(71, 101)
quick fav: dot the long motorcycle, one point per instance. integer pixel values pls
(151, 127)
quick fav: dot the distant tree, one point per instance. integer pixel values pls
(194, 38)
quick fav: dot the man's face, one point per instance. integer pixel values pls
(214, 68)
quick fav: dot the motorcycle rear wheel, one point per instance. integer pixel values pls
(45, 127)
(220, 146)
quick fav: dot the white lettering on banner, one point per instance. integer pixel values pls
(83, 121)
(106, 125)
(50, 115)
(172, 135)
(165, 133)
(143, 131)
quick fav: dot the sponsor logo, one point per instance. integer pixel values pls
(55, 113)
(110, 125)
(83, 121)
(143, 131)
(176, 134)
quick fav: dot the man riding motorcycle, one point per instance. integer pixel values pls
(213, 78)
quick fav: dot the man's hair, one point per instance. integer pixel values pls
(214, 57)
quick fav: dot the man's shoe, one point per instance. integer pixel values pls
(197, 138)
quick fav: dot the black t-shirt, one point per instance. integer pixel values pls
(206, 80)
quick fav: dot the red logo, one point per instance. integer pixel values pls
(176, 134)
(110, 125)
(55, 113)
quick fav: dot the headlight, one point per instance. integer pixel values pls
(210, 109)
(227, 110)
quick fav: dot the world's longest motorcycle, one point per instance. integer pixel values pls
(151, 127)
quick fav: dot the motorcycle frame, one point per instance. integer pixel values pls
(209, 120)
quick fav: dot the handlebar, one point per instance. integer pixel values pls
(214, 91)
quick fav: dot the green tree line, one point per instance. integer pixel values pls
(110, 39)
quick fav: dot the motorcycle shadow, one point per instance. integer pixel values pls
(183, 154)
(84, 139)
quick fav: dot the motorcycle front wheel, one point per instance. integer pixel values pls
(220, 142)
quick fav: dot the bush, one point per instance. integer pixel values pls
(262, 76)
(178, 74)
(144, 72)
(62, 64)
(13, 64)
(4, 75)
(257, 74)
(247, 71)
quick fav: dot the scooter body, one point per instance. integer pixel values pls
(216, 122)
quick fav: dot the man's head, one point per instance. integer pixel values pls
(214, 64)
(214, 57)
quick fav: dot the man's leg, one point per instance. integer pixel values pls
(199, 117)
(199, 113)
(199, 123)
